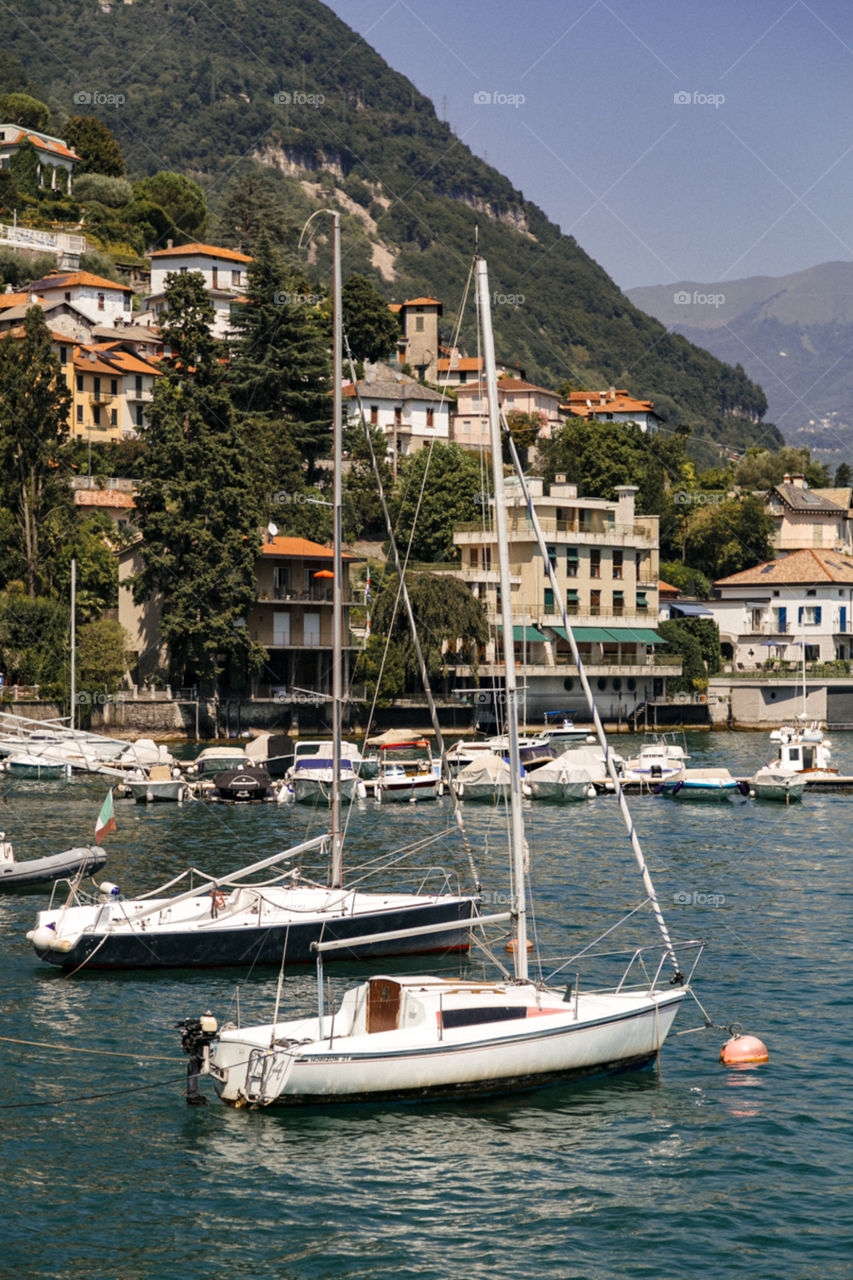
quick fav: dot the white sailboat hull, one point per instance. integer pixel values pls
(310, 785)
(548, 1045)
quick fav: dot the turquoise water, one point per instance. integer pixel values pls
(696, 1171)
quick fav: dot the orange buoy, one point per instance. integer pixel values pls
(510, 946)
(742, 1049)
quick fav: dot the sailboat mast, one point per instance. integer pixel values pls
(337, 585)
(510, 687)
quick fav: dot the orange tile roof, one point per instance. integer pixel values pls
(43, 143)
(798, 567)
(83, 362)
(200, 250)
(126, 361)
(69, 279)
(667, 588)
(282, 546)
(422, 302)
(13, 300)
(464, 362)
(506, 384)
(103, 498)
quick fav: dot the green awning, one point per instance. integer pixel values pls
(606, 635)
(530, 634)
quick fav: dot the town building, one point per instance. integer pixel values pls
(804, 517)
(470, 426)
(225, 273)
(56, 160)
(605, 558)
(409, 414)
(766, 615)
(417, 345)
(613, 406)
(101, 301)
(111, 388)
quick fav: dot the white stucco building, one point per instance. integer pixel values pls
(225, 273)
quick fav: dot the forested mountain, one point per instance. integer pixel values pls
(794, 333)
(216, 90)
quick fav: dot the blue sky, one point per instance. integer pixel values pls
(674, 139)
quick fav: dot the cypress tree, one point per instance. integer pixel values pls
(197, 501)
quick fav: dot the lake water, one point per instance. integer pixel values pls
(696, 1171)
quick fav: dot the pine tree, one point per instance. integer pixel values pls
(197, 503)
(34, 407)
(280, 362)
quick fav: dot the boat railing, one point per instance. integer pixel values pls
(445, 879)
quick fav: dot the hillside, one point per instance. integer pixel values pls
(211, 90)
(794, 333)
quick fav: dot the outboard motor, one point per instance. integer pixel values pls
(197, 1035)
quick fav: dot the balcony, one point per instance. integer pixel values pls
(101, 397)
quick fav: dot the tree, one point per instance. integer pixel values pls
(362, 514)
(96, 146)
(89, 542)
(21, 109)
(34, 641)
(254, 207)
(103, 649)
(451, 621)
(8, 193)
(843, 476)
(34, 408)
(437, 488)
(691, 581)
(728, 536)
(760, 469)
(524, 429)
(197, 504)
(371, 328)
(280, 358)
(682, 641)
(180, 198)
(380, 667)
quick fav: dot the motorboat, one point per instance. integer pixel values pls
(655, 760)
(559, 780)
(36, 873)
(242, 785)
(561, 731)
(25, 765)
(702, 784)
(160, 783)
(311, 776)
(775, 784)
(812, 760)
(484, 779)
(407, 776)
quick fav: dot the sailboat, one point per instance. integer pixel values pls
(240, 919)
(422, 1037)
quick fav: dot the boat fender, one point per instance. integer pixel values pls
(743, 788)
(42, 938)
(108, 889)
(217, 902)
(460, 790)
(7, 851)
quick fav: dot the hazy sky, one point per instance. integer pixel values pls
(700, 140)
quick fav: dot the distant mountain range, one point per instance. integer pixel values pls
(212, 89)
(792, 334)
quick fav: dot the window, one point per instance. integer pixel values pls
(617, 564)
(755, 616)
(781, 618)
(474, 557)
(280, 580)
(101, 303)
(571, 562)
(311, 629)
(571, 600)
(113, 386)
(236, 279)
(642, 602)
(140, 422)
(281, 627)
(487, 557)
(68, 297)
(552, 556)
(214, 281)
(79, 382)
(595, 602)
(113, 417)
(97, 388)
(139, 384)
(595, 563)
(419, 324)
(430, 417)
(79, 413)
(809, 615)
(374, 414)
(96, 416)
(398, 417)
(618, 601)
(549, 601)
(63, 355)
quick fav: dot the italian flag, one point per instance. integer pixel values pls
(106, 822)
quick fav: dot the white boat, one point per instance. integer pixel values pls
(773, 784)
(811, 760)
(655, 760)
(561, 779)
(562, 731)
(702, 784)
(463, 753)
(34, 873)
(144, 753)
(159, 784)
(404, 776)
(311, 775)
(24, 765)
(57, 742)
(417, 1038)
(484, 779)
